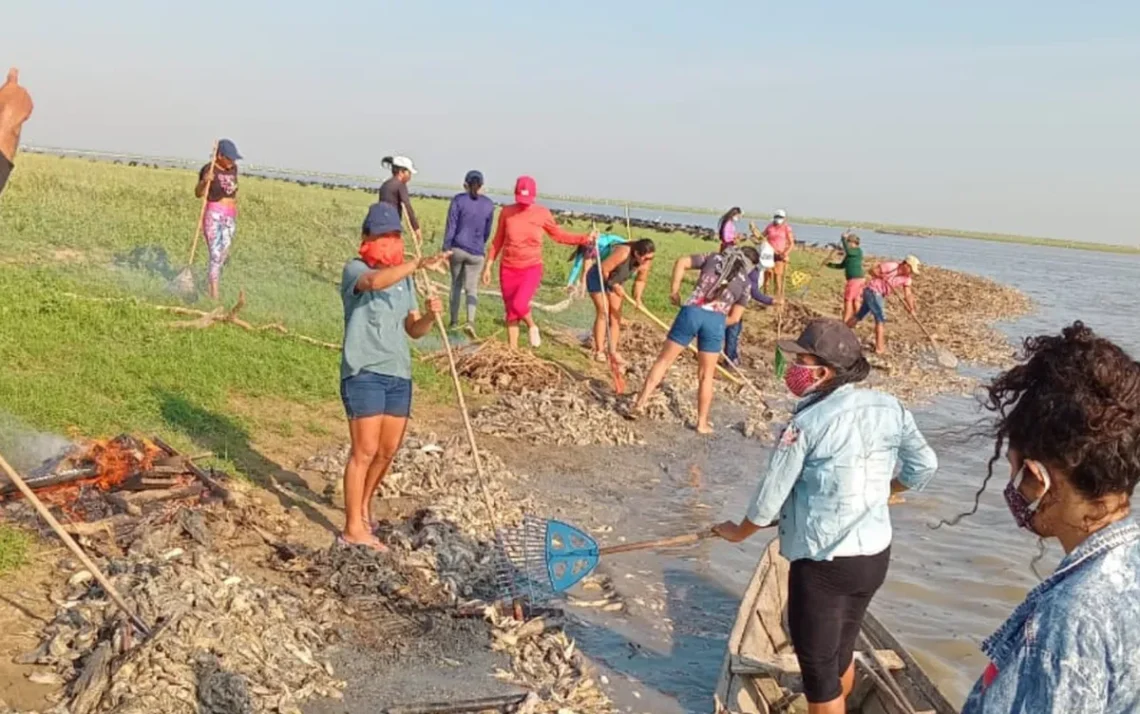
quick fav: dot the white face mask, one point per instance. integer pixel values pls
(778, 220)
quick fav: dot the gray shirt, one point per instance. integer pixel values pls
(733, 294)
(394, 192)
(375, 339)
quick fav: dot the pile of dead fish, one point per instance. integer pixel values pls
(220, 643)
(547, 662)
(554, 416)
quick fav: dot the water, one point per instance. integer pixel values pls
(947, 590)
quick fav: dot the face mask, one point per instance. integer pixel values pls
(1020, 506)
(385, 252)
(778, 221)
(800, 379)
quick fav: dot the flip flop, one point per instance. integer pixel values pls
(342, 542)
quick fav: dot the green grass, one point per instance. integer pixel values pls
(14, 545)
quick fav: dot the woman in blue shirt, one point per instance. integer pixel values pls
(829, 482)
(469, 219)
(1068, 418)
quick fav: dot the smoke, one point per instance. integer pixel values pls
(27, 449)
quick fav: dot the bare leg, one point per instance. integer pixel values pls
(847, 681)
(513, 334)
(599, 323)
(533, 335)
(615, 322)
(780, 268)
(706, 370)
(880, 338)
(848, 309)
(835, 706)
(391, 436)
(365, 437)
(665, 359)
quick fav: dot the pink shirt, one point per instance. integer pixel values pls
(779, 236)
(890, 281)
(728, 233)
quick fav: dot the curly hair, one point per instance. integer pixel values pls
(1073, 402)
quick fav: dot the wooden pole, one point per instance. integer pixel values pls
(628, 227)
(73, 546)
(205, 200)
(645, 311)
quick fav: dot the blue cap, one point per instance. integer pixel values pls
(473, 177)
(382, 218)
(227, 149)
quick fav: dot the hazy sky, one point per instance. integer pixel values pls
(1016, 116)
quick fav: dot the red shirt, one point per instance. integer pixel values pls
(518, 237)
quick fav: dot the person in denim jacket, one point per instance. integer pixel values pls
(1069, 418)
(829, 482)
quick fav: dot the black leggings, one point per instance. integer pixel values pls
(826, 603)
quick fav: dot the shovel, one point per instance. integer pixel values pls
(184, 281)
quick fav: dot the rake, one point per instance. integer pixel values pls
(184, 281)
(541, 559)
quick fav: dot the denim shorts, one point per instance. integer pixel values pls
(873, 304)
(707, 326)
(369, 394)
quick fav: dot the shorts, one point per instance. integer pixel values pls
(873, 304)
(853, 289)
(826, 603)
(519, 286)
(594, 283)
(368, 394)
(707, 326)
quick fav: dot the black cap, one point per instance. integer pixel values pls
(828, 339)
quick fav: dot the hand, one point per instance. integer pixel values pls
(640, 305)
(594, 235)
(434, 306)
(15, 108)
(435, 262)
(730, 531)
(486, 277)
(675, 298)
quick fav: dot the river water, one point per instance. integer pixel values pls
(947, 590)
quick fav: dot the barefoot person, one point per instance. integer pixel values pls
(220, 220)
(780, 236)
(718, 300)
(394, 191)
(620, 262)
(827, 485)
(852, 266)
(518, 241)
(468, 227)
(380, 313)
(1068, 420)
(15, 108)
(886, 277)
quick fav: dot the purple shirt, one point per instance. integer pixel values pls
(468, 223)
(728, 233)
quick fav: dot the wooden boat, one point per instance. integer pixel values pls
(760, 674)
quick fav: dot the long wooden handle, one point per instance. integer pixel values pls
(675, 541)
(628, 227)
(73, 546)
(205, 200)
(645, 311)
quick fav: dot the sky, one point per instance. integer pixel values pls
(1008, 116)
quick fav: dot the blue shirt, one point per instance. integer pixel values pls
(375, 339)
(1073, 646)
(468, 223)
(829, 477)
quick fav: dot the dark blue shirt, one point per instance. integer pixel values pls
(468, 223)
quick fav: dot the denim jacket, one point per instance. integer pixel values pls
(1073, 646)
(829, 477)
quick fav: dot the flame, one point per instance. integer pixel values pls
(115, 460)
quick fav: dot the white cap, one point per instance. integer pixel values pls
(403, 162)
(781, 213)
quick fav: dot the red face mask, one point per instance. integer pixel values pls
(386, 252)
(801, 378)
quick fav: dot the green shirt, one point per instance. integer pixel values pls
(852, 263)
(375, 339)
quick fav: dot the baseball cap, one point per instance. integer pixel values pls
(382, 218)
(227, 149)
(781, 213)
(828, 339)
(473, 177)
(526, 190)
(913, 262)
(403, 162)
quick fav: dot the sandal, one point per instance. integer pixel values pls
(376, 545)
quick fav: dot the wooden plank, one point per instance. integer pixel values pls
(915, 678)
(787, 664)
